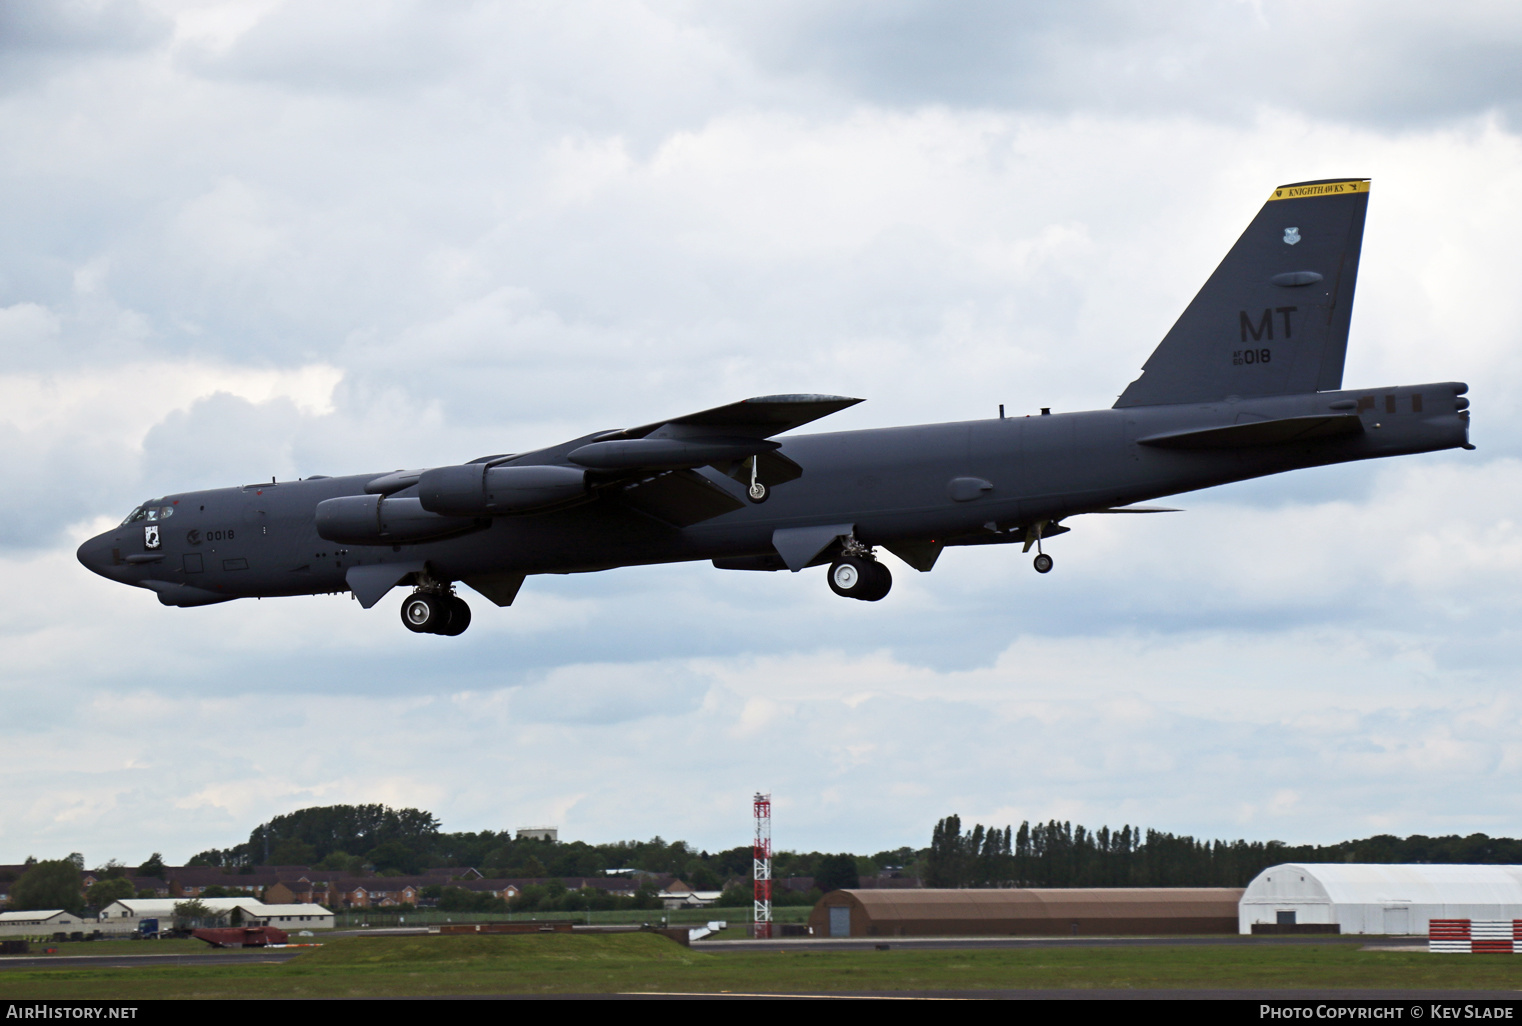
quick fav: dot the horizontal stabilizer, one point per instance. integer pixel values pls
(1260, 432)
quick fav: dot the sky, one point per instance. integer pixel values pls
(262, 238)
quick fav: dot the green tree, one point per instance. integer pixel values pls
(153, 867)
(104, 892)
(700, 878)
(111, 868)
(834, 872)
(333, 828)
(193, 912)
(52, 883)
(395, 857)
(293, 852)
(738, 895)
(341, 862)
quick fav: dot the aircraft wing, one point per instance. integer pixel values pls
(762, 416)
(652, 467)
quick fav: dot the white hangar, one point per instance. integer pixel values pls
(1386, 899)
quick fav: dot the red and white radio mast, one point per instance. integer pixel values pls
(762, 855)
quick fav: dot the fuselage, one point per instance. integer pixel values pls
(890, 484)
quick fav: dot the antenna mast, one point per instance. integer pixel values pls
(762, 856)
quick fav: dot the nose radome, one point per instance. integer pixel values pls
(95, 554)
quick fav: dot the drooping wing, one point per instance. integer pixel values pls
(651, 467)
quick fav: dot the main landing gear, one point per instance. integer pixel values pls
(858, 575)
(1042, 562)
(432, 612)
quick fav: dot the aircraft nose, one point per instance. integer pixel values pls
(96, 556)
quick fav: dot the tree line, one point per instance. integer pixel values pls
(1060, 854)
(376, 840)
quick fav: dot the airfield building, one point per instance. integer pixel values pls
(43, 921)
(126, 915)
(1383, 899)
(1104, 911)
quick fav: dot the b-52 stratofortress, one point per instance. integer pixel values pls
(1248, 382)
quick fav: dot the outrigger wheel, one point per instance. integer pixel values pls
(860, 577)
(1043, 563)
(757, 492)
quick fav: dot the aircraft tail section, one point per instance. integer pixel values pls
(1273, 318)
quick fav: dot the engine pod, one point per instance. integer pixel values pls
(476, 490)
(376, 520)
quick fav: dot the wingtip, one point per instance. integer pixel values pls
(803, 397)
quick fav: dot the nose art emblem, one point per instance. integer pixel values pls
(193, 536)
(151, 537)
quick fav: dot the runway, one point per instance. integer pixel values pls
(242, 956)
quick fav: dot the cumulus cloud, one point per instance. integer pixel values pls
(1393, 64)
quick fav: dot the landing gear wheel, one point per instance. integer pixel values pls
(758, 492)
(879, 583)
(1043, 563)
(859, 577)
(849, 576)
(424, 613)
(459, 617)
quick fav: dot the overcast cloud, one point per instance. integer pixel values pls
(244, 239)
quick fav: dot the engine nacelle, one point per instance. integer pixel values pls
(477, 490)
(377, 520)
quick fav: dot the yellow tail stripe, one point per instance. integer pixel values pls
(1320, 189)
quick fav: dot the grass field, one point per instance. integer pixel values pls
(560, 963)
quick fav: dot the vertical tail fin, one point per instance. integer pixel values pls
(1273, 318)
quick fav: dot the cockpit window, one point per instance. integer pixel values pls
(149, 513)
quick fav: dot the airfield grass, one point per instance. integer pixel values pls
(373, 967)
(167, 946)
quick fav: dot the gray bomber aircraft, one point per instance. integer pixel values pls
(1248, 382)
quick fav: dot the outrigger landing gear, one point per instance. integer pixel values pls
(757, 492)
(857, 574)
(1043, 562)
(436, 612)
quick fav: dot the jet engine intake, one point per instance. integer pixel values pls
(476, 490)
(377, 520)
